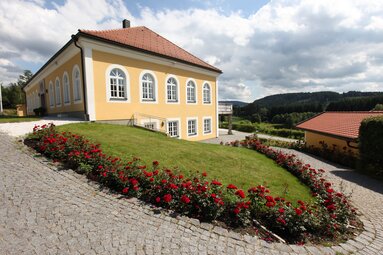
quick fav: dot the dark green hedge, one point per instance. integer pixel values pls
(371, 145)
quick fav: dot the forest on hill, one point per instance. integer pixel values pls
(292, 108)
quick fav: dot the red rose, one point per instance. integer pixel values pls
(204, 174)
(151, 179)
(125, 190)
(298, 211)
(281, 210)
(133, 181)
(167, 198)
(155, 163)
(185, 199)
(135, 188)
(231, 186)
(236, 210)
(158, 199)
(214, 182)
(240, 193)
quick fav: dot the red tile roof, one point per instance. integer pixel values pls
(341, 124)
(144, 39)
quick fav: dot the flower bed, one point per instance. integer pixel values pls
(197, 196)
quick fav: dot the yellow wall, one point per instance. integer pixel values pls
(314, 139)
(59, 72)
(125, 110)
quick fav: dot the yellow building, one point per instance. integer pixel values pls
(132, 76)
(337, 130)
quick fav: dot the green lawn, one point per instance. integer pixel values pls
(239, 166)
(7, 119)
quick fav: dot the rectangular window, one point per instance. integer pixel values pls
(173, 128)
(172, 93)
(192, 127)
(207, 126)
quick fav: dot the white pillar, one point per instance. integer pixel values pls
(1, 100)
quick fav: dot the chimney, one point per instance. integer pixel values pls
(126, 23)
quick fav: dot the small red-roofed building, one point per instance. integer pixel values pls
(340, 129)
(130, 75)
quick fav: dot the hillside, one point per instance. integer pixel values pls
(307, 104)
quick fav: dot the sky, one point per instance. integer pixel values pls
(263, 47)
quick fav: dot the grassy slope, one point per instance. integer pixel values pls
(240, 166)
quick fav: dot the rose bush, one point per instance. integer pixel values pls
(205, 199)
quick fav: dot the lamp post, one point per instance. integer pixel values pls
(1, 100)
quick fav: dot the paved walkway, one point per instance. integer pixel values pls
(238, 135)
(23, 128)
(46, 211)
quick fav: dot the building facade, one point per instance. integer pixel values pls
(129, 75)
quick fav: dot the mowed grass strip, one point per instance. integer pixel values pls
(242, 167)
(11, 119)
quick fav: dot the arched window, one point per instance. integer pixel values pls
(172, 90)
(148, 87)
(191, 92)
(58, 92)
(117, 84)
(76, 77)
(51, 95)
(66, 89)
(206, 94)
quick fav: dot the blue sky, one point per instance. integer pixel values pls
(263, 47)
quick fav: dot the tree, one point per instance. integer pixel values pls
(13, 94)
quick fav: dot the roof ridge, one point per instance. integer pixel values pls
(109, 30)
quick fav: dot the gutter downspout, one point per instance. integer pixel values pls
(75, 39)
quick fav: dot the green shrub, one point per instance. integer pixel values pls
(371, 145)
(244, 127)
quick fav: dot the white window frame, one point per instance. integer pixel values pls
(74, 69)
(179, 127)
(177, 90)
(51, 95)
(196, 126)
(58, 92)
(203, 93)
(211, 125)
(110, 99)
(155, 88)
(195, 91)
(66, 88)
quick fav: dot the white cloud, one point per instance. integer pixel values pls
(287, 46)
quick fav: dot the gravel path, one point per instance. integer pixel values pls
(47, 211)
(23, 128)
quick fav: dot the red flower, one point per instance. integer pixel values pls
(204, 174)
(155, 163)
(164, 181)
(151, 179)
(236, 210)
(173, 186)
(281, 210)
(135, 188)
(125, 190)
(298, 211)
(214, 182)
(168, 198)
(231, 186)
(133, 181)
(100, 167)
(282, 221)
(158, 199)
(185, 199)
(240, 193)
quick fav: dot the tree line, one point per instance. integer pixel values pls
(13, 94)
